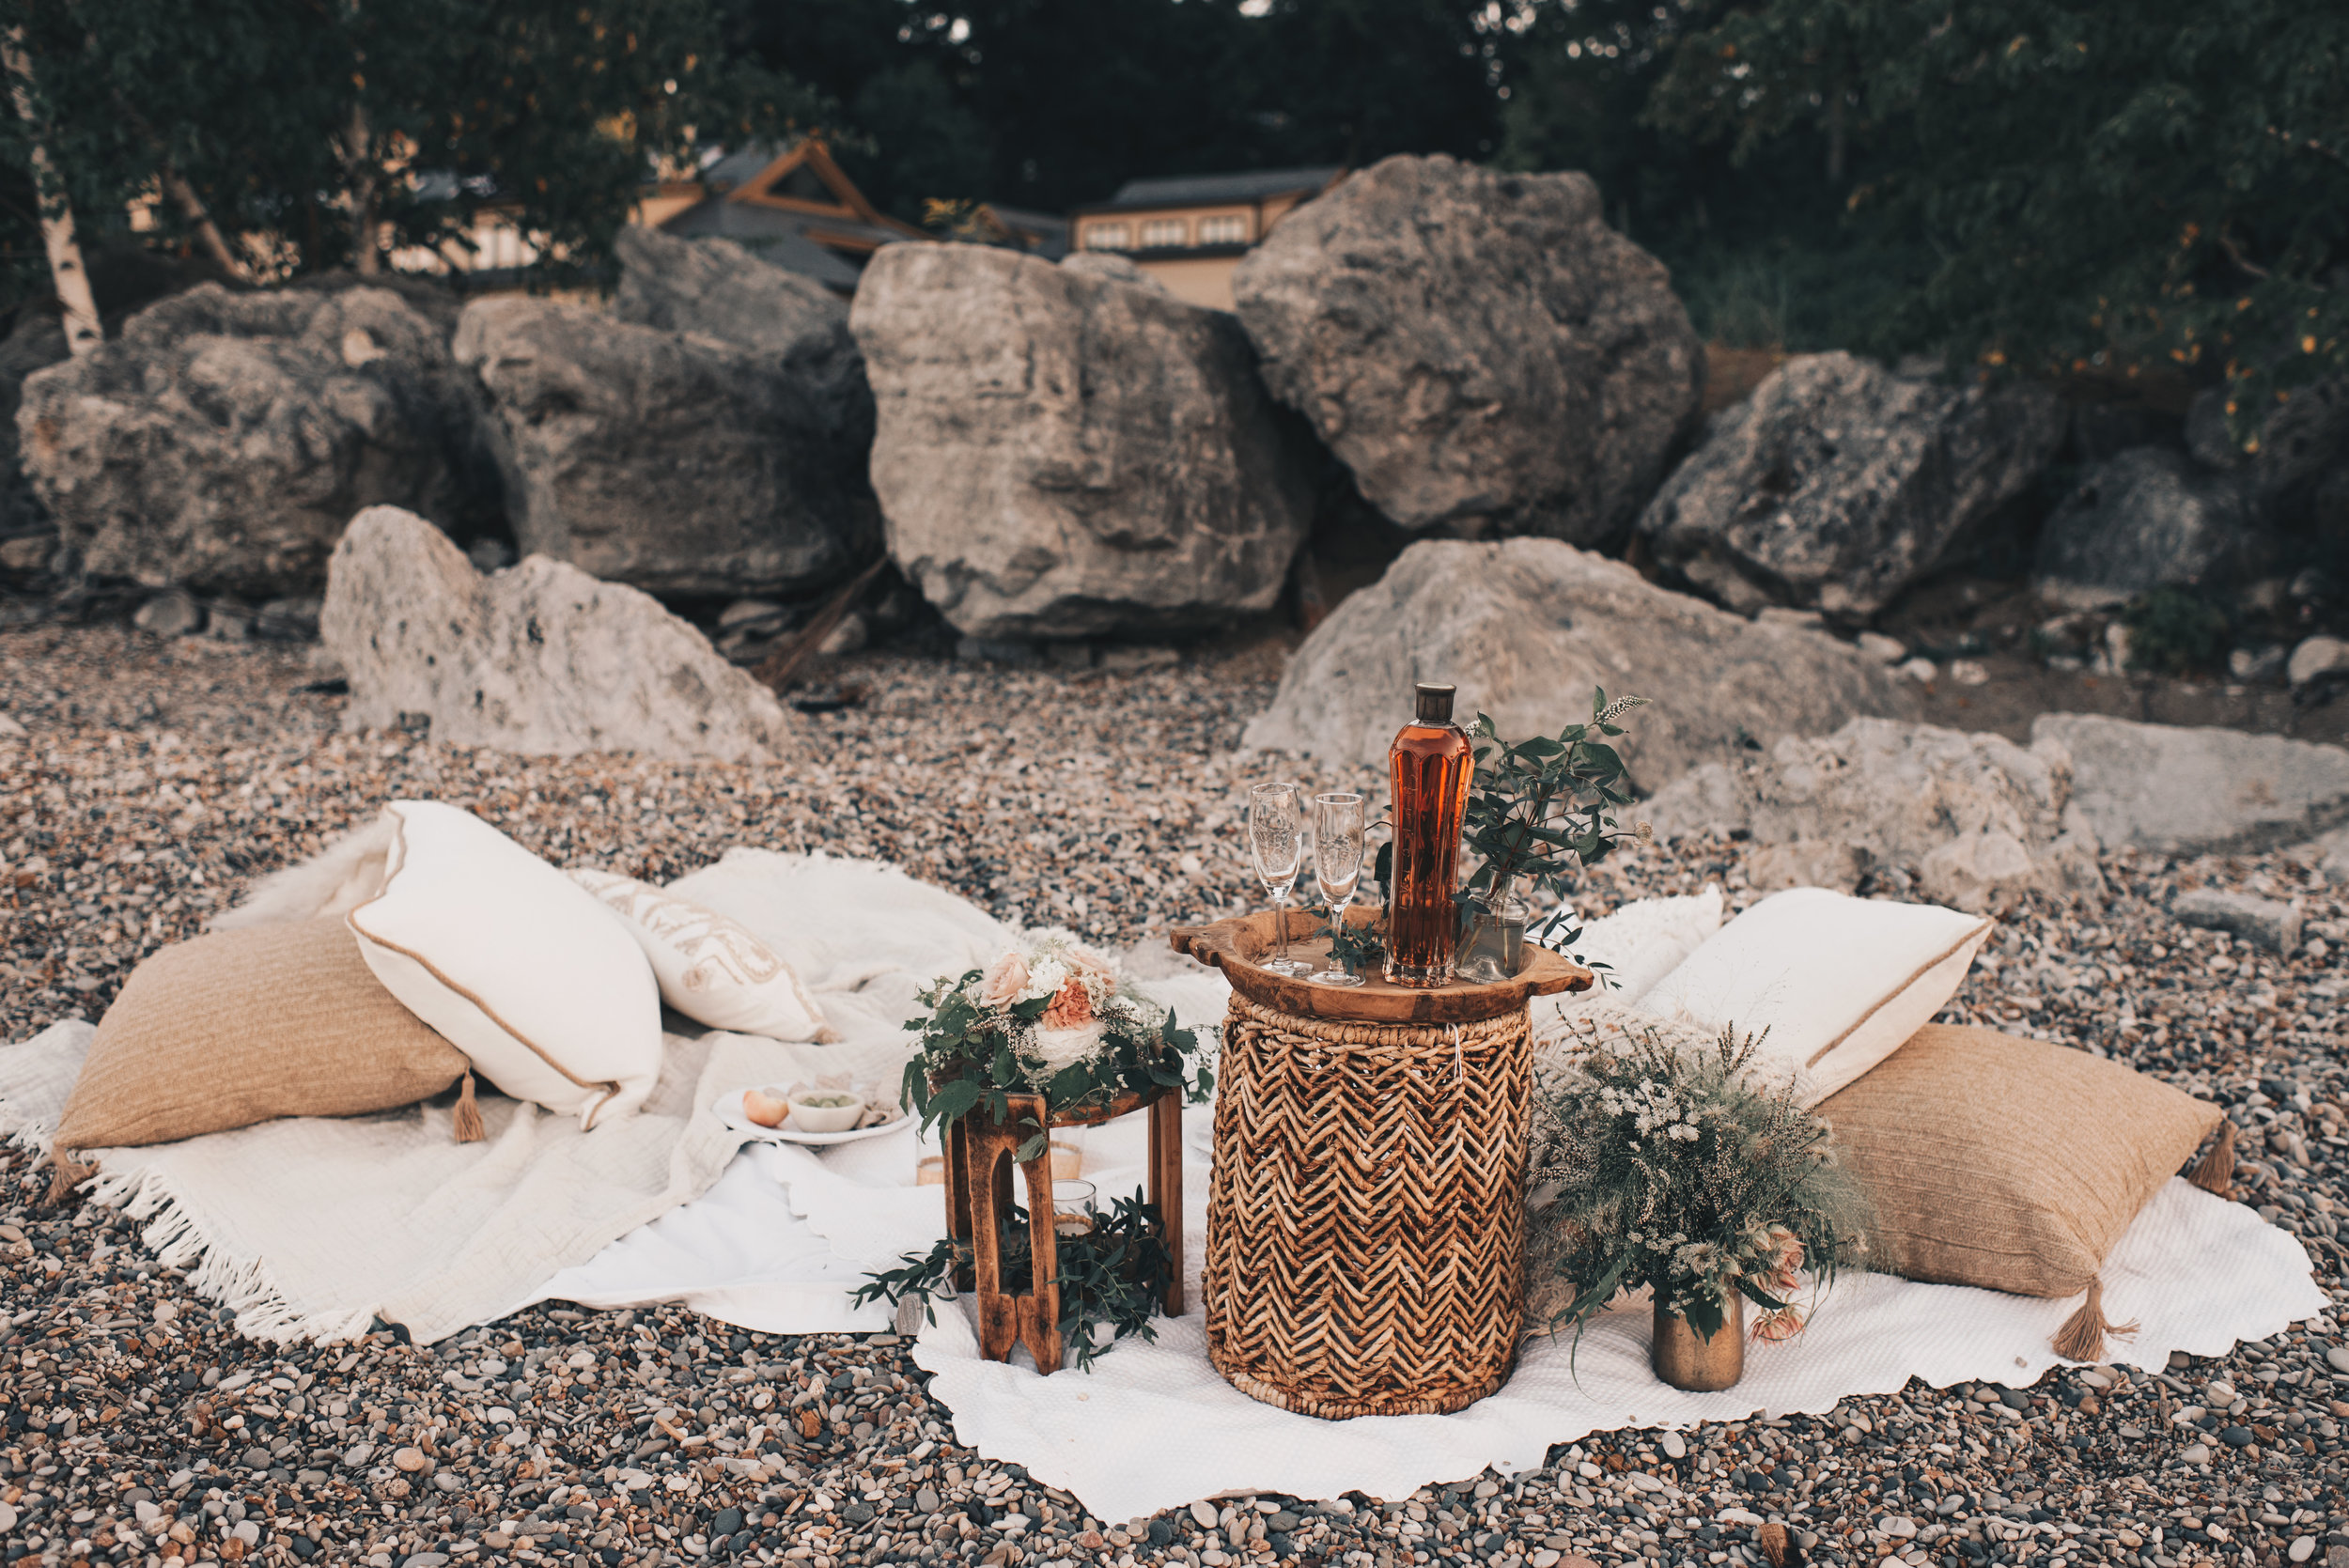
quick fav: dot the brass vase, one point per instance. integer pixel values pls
(1686, 1360)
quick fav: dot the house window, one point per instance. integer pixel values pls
(1230, 229)
(1164, 233)
(1106, 237)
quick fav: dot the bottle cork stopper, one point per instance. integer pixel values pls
(1433, 701)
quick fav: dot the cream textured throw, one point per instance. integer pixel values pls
(312, 1227)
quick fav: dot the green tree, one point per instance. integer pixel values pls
(2104, 187)
(310, 133)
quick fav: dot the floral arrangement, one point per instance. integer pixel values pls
(1049, 1017)
(1667, 1164)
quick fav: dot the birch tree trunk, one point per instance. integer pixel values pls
(65, 272)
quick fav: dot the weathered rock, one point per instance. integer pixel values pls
(1975, 819)
(2195, 791)
(173, 612)
(2317, 659)
(1060, 455)
(1481, 348)
(673, 461)
(1109, 268)
(223, 440)
(1527, 628)
(2149, 519)
(539, 659)
(716, 287)
(2268, 922)
(1839, 483)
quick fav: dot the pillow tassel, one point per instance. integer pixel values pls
(2216, 1174)
(65, 1174)
(466, 1124)
(2082, 1336)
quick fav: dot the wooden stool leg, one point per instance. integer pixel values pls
(959, 1223)
(1039, 1309)
(1166, 1185)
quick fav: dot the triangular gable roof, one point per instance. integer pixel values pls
(763, 189)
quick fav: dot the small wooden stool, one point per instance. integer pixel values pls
(980, 1154)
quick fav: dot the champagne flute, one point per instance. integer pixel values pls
(1338, 833)
(1276, 836)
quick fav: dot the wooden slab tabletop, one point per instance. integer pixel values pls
(1236, 947)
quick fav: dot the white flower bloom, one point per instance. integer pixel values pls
(1061, 1048)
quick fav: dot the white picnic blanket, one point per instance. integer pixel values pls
(313, 1227)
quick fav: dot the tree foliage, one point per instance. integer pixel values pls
(2104, 187)
(287, 117)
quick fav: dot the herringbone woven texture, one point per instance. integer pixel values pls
(1366, 1218)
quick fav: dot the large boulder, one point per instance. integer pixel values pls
(674, 461)
(224, 439)
(2196, 790)
(1528, 628)
(540, 659)
(1063, 454)
(716, 287)
(1481, 348)
(2148, 519)
(1839, 483)
(1969, 820)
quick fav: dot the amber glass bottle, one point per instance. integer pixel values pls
(1429, 767)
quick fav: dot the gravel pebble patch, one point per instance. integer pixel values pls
(157, 779)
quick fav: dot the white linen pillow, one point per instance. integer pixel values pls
(1841, 983)
(514, 964)
(711, 968)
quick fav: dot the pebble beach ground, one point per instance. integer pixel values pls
(155, 781)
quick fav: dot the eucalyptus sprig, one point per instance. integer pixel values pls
(1541, 808)
(1116, 1273)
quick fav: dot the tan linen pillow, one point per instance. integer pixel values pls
(237, 1026)
(2010, 1164)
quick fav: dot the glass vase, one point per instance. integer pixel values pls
(1492, 939)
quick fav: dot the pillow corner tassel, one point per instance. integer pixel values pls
(65, 1174)
(2215, 1172)
(465, 1123)
(2083, 1334)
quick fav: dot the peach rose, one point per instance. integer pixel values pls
(1005, 979)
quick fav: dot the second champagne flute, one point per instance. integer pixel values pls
(1276, 836)
(1338, 832)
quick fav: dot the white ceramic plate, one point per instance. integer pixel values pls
(728, 1107)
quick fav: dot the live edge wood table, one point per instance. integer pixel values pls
(1366, 1216)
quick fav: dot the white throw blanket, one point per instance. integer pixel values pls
(312, 1228)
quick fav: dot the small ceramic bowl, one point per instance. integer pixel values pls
(810, 1111)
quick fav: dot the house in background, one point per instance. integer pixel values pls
(1191, 231)
(796, 209)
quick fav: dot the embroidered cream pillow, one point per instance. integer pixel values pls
(514, 963)
(711, 969)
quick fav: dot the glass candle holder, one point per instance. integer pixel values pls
(1072, 1207)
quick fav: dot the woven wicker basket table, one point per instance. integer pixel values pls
(1366, 1216)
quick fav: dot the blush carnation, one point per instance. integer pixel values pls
(1071, 1007)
